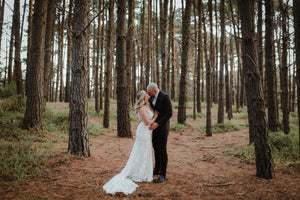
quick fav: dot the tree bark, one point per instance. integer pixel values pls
(78, 131)
(17, 68)
(221, 81)
(270, 66)
(284, 75)
(255, 100)
(208, 81)
(184, 62)
(173, 52)
(2, 6)
(149, 41)
(48, 44)
(199, 55)
(122, 85)
(108, 70)
(10, 56)
(35, 98)
(296, 7)
(69, 52)
(163, 29)
(29, 32)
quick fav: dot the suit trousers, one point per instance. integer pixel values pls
(159, 141)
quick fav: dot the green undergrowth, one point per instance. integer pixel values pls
(285, 148)
(227, 126)
(176, 127)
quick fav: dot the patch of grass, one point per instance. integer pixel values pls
(176, 127)
(172, 191)
(8, 91)
(198, 115)
(228, 126)
(94, 129)
(285, 149)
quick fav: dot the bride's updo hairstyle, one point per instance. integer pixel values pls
(140, 100)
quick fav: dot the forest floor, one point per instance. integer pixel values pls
(199, 167)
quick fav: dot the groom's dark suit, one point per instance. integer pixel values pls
(160, 134)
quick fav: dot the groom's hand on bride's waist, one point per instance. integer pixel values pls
(153, 126)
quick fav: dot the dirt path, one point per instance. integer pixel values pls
(198, 168)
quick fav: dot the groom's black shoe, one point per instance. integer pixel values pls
(160, 179)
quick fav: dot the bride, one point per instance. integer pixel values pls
(139, 166)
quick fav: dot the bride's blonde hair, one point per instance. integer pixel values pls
(140, 100)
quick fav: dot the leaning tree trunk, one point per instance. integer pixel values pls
(184, 61)
(17, 67)
(78, 131)
(221, 81)
(255, 100)
(122, 86)
(35, 98)
(48, 44)
(296, 7)
(270, 66)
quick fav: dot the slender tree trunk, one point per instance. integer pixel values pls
(61, 91)
(199, 55)
(122, 85)
(34, 104)
(10, 56)
(130, 50)
(96, 82)
(17, 68)
(69, 52)
(221, 81)
(163, 29)
(255, 101)
(173, 53)
(108, 70)
(284, 75)
(296, 7)
(260, 41)
(78, 131)
(149, 61)
(101, 66)
(270, 66)
(2, 6)
(29, 32)
(208, 82)
(142, 79)
(48, 44)
(184, 62)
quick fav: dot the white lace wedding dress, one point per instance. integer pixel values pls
(139, 166)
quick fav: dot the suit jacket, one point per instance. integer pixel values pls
(164, 107)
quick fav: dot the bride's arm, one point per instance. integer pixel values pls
(145, 117)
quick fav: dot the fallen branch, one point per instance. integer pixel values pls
(218, 185)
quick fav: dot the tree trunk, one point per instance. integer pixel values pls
(48, 43)
(184, 62)
(208, 81)
(2, 6)
(296, 7)
(130, 51)
(78, 131)
(29, 32)
(199, 55)
(221, 81)
(69, 52)
(96, 82)
(149, 61)
(35, 99)
(108, 70)
(61, 63)
(270, 66)
(122, 85)
(10, 56)
(260, 41)
(173, 52)
(255, 101)
(163, 29)
(284, 75)
(101, 56)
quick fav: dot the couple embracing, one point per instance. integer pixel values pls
(154, 109)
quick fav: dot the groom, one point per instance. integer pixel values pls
(160, 101)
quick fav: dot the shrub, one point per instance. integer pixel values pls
(228, 126)
(8, 91)
(176, 127)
